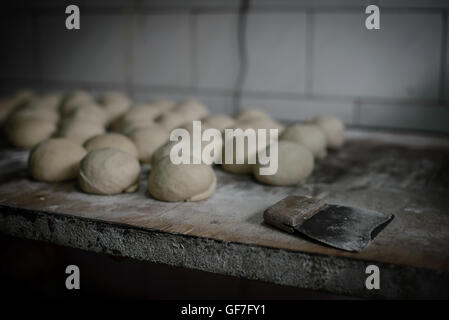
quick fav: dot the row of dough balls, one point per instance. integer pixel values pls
(142, 131)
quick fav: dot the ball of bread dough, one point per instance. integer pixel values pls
(218, 121)
(295, 164)
(55, 160)
(27, 132)
(171, 120)
(192, 110)
(333, 129)
(164, 104)
(109, 171)
(8, 104)
(112, 140)
(249, 154)
(114, 104)
(183, 182)
(89, 112)
(252, 114)
(147, 140)
(75, 99)
(137, 116)
(35, 110)
(47, 101)
(79, 131)
(309, 136)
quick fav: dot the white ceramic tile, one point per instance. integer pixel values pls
(276, 52)
(217, 51)
(17, 53)
(434, 118)
(95, 52)
(401, 60)
(301, 109)
(162, 53)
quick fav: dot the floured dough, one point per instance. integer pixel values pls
(147, 140)
(55, 160)
(192, 110)
(295, 164)
(27, 132)
(79, 131)
(115, 104)
(333, 129)
(252, 114)
(309, 136)
(183, 182)
(109, 171)
(112, 140)
(218, 121)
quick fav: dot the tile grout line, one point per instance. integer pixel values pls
(194, 66)
(443, 58)
(310, 38)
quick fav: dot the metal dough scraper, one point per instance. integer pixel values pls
(346, 228)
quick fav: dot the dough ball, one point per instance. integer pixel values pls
(8, 104)
(309, 136)
(75, 99)
(89, 112)
(112, 140)
(79, 131)
(333, 129)
(114, 104)
(48, 101)
(163, 104)
(55, 160)
(34, 109)
(171, 120)
(295, 164)
(192, 110)
(260, 123)
(183, 182)
(147, 140)
(250, 154)
(137, 116)
(109, 171)
(219, 121)
(27, 132)
(252, 114)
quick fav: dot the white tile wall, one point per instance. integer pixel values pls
(423, 117)
(276, 52)
(17, 53)
(401, 60)
(217, 53)
(162, 52)
(301, 109)
(95, 52)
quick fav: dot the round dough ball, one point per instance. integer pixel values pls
(219, 121)
(252, 114)
(79, 131)
(309, 136)
(75, 99)
(109, 171)
(112, 140)
(48, 101)
(333, 129)
(8, 104)
(183, 182)
(136, 116)
(147, 140)
(247, 167)
(295, 164)
(171, 120)
(89, 112)
(192, 110)
(114, 104)
(55, 160)
(27, 132)
(35, 108)
(163, 104)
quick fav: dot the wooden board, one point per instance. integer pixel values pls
(408, 181)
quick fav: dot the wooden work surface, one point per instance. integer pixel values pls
(410, 181)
